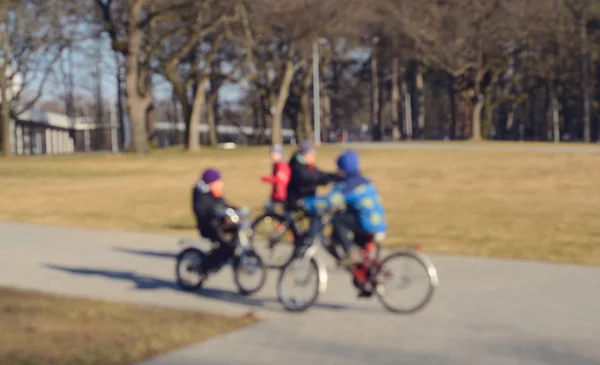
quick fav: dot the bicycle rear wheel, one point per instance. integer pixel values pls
(302, 272)
(187, 269)
(273, 240)
(394, 272)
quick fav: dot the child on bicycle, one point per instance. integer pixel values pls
(304, 181)
(208, 206)
(360, 214)
(280, 176)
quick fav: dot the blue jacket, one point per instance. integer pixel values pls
(358, 195)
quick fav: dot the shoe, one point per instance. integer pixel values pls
(365, 294)
(352, 259)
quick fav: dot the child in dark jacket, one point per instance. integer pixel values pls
(209, 205)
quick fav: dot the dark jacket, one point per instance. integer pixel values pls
(208, 210)
(304, 180)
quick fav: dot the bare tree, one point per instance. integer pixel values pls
(33, 35)
(281, 34)
(129, 25)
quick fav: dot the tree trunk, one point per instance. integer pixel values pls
(375, 92)
(467, 117)
(120, 107)
(510, 119)
(5, 116)
(282, 96)
(420, 83)
(584, 77)
(326, 113)
(99, 96)
(452, 98)
(151, 119)
(408, 122)
(305, 125)
(488, 115)
(193, 124)
(264, 115)
(395, 99)
(335, 88)
(137, 102)
(212, 121)
(555, 116)
(476, 119)
(5, 119)
(213, 108)
(255, 120)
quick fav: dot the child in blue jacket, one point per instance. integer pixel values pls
(361, 214)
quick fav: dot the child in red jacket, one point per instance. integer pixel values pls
(280, 176)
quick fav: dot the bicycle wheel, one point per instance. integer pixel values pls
(301, 271)
(249, 266)
(272, 240)
(187, 269)
(394, 273)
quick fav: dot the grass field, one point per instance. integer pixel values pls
(533, 205)
(51, 330)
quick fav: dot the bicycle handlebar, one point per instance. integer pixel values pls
(236, 215)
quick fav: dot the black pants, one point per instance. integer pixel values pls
(348, 231)
(223, 247)
(219, 254)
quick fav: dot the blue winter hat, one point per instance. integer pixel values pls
(306, 147)
(348, 162)
(276, 148)
(209, 176)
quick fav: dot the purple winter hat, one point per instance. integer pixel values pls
(209, 176)
(306, 147)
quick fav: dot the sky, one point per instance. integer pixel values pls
(83, 61)
(84, 64)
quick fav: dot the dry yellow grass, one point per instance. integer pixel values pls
(535, 205)
(45, 329)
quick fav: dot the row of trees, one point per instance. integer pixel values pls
(494, 69)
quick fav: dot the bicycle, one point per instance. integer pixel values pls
(280, 251)
(370, 276)
(244, 261)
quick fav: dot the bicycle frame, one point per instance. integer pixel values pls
(243, 243)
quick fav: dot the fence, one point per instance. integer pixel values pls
(47, 133)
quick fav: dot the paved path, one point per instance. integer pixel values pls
(485, 311)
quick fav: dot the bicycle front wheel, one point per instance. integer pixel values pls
(249, 273)
(301, 274)
(273, 240)
(406, 282)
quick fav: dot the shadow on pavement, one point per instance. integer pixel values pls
(145, 282)
(157, 254)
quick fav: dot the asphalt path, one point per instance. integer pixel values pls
(486, 311)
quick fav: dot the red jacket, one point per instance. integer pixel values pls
(279, 179)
